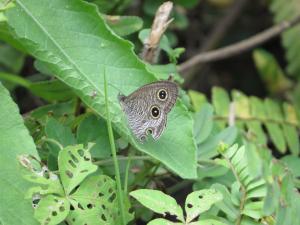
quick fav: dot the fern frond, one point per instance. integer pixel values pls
(285, 10)
(252, 114)
(248, 192)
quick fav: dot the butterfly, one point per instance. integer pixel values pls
(147, 108)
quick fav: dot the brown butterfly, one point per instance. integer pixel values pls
(147, 108)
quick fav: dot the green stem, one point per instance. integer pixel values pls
(114, 153)
(15, 79)
(127, 171)
(122, 158)
(50, 140)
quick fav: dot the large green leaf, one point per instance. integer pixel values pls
(14, 140)
(75, 43)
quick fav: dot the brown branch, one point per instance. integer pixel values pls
(240, 47)
(159, 26)
(219, 31)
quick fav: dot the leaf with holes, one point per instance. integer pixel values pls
(74, 164)
(158, 202)
(96, 198)
(47, 185)
(200, 201)
(52, 210)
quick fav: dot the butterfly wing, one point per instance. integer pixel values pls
(147, 108)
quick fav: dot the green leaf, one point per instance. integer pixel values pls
(226, 204)
(200, 201)
(52, 210)
(203, 123)
(198, 99)
(93, 129)
(47, 184)
(271, 199)
(96, 199)
(283, 11)
(292, 162)
(56, 131)
(51, 90)
(255, 127)
(11, 59)
(14, 140)
(290, 131)
(59, 136)
(158, 202)
(76, 62)
(221, 101)
(253, 159)
(124, 25)
(242, 106)
(75, 165)
(104, 5)
(209, 147)
(276, 133)
(271, 72)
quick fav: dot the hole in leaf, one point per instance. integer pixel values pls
(86, 158)
(54, 213)
(69, 173)
(80, 152)
(89, 206)
(72, 163)
(73, 219)
(112, 197)
(80, 206)
(103, 217)
(72, 207)
(101, 194)
(61, 208)
(200, 196)
(73, 157)
(110, 190)
(83, 171)
(35, 201)
(103, 206)
(189, 205)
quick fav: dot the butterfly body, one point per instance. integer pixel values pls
(147, 108)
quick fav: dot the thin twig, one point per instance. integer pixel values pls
(240, 47)
(159, 26)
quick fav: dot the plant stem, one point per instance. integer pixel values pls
(131, 153)
(122, 158)
(114, 153)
